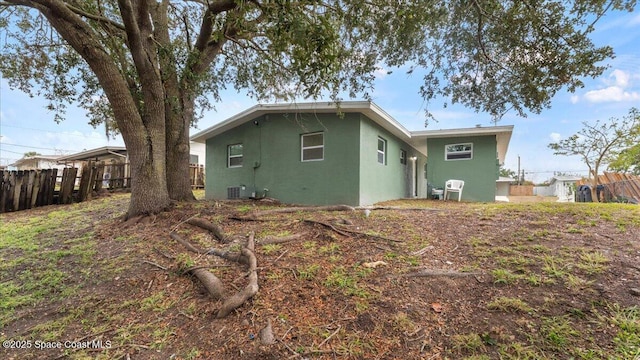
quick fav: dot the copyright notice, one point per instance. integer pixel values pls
(44, 345)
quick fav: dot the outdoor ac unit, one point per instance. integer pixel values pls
(233, 192)
(238, 192)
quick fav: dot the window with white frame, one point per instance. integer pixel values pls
(312, 147)
(403, 157)
(382, 150)
(458, 151)
(234, 155)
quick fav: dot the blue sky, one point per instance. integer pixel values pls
(25, 124)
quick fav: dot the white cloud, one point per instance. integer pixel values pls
(619, 88)
(555, 137)
(635, 21)
(611, 94)
(620, 78)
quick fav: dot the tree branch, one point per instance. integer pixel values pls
(96, 17)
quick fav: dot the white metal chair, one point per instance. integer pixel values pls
(453, 186)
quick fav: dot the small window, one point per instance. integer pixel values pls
(403, 157)
(382, 150)
(458, 151)
(193, 159)
(234, 155)
(312, 147)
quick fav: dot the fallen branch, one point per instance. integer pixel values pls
(330, 336)
(154, 264)
(251, 289)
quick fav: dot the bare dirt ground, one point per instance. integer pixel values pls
(414, 280)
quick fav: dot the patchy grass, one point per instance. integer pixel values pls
(539, 281)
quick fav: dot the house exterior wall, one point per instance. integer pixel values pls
(199, 150)
(502, 188)
(391, 180)
(479, 173)
(272, 160)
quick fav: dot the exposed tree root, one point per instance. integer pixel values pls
(347, 232)
(396, 208)
(266, 334)
(227, 255)
(209, 226)
(211, 282)
(279, 240)
(214, 286)
(251, 289)
(186, 244)
(259, 214)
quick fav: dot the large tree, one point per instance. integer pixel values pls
(148, 68)
(599, 143)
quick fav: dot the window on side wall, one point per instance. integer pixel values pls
(193, 159)
(382, 150)
(403, 157)
(312, 147)
(458, 151)
(234, 155)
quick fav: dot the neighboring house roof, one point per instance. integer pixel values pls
(367, 108)
(504, 179)
(564, 178)
(35, 157)
(95, 153)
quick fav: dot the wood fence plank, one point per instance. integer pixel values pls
(85, 182)
(99, 173)
(29, 178)
(52, 186)
(4, 190)
(36, 189)
(17, 191)
(66, 187)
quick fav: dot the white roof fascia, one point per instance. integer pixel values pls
(367, 108)
(417, 139)
(101, 151)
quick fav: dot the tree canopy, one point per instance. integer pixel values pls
(149, 68)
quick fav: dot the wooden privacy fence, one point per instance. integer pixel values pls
(26, 189)
(196, 173)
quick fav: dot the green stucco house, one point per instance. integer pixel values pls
(313, 153)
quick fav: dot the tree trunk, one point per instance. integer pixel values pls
(177, 155)
(178, 114)
(148, 183)
(143, 131)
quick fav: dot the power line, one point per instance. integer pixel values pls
(33, 147)
(46, 131)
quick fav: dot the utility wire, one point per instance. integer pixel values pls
(33, 147)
